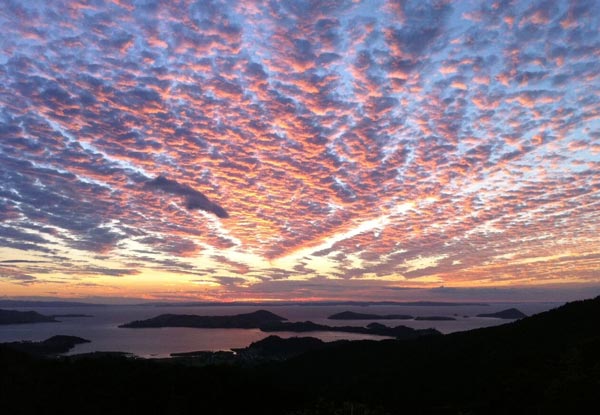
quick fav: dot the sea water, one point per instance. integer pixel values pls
(105, 335)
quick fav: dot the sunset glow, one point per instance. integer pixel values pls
(299, 150)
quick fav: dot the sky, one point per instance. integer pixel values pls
(228, 150)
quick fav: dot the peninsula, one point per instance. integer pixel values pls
(399, 332)
(508, 314)
(24, 317)
(351, 315)
(253, 320)
(49, 347)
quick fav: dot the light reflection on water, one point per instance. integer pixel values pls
(102, 329)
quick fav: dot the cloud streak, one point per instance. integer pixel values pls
(193, 198)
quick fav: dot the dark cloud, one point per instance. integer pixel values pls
(194, 199)
(112, 272)
(7, 232)
(16, 276)
(21, 261)
(172, 245)
(228, 281)
(97, 239)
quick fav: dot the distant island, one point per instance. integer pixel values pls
(253, 320)
(270, 322)
(434, 318)
(508, 314)
(70, 315)
(351, 315)
(51, 346)
(24, 317)
(399, 332)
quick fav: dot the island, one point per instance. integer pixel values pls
(508, 314)
(49, 347)
(434, 318)
(70, 315)
(399, 332)
(253, 320)
(24, 317)
(351, 315)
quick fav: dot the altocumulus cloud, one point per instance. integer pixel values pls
(355, 140)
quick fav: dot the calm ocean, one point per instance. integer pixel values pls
(104, 334)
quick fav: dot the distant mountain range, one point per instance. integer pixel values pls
(24, 317)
